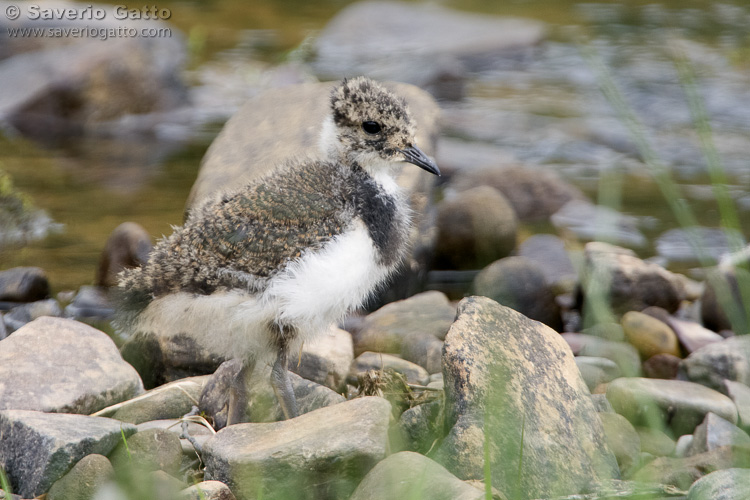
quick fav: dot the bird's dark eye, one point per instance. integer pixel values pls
(371, 127)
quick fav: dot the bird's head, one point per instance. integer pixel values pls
(373, 127)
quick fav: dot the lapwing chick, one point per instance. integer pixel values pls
(255, 273)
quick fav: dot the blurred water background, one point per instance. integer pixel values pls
(541, 107)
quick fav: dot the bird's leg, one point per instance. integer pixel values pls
(239, 395)
(280, 382)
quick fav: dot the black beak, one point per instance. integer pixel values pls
(414, 155)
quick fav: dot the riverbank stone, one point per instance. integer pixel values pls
(727, 484)
(649, 335)
(326, 450)
(546, 401)
(23, 284)
(367, 361)
(83, 480)
(516, 282)
(474, 228)
(714, 363)
(411, 475)
(628, 283)
(61, 365)
(673, 404)
(37, 449)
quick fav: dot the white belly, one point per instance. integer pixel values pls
(322, 287)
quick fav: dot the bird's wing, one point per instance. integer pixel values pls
(243, 239)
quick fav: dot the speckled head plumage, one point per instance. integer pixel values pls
(374, 126)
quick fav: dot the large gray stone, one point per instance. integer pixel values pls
(207, 490)
(149, 450)
(676, 404)
(37, 449)
(26, 313)
(512, 382)
(719, 361)
(622, 439)
(411, 475)
(740, 394)
(61, 365)
(516, 282)
(597, 222)
(423, 44)
(323, 451)
(727, 484)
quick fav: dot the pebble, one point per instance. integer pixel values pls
(727, 484)
(714, 363)
(367, 361)
(83, 480)
(23, 284)
(649, 335)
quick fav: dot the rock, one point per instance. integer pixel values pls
(172, 400)
(37, 449)
(691, 335)
(664, 366)
(682, 446)
(91, 302)
(727, 484)
(624, 355)
(61, 365)
(385, 330)
(457, 157)
(601, 404)
(649, 335)
(20, 221)
(596, 371)
(597, 222)
(547, 252)
(83, 480)
(715, 432)
(263, 405)
(72, 86)
(627, 283)
(421, 426)
(149, 450)
(424, 350)
(426, 45)
(740, 394)
(207, 490)
(667, 403)
(719, 361)
(563, 442)
(683, 472)
(23, 284)
(280, 122)
(622, 439)
(327, 450)
(722, 305)
(411, 475)
(474, 228)
(516, 282)
(607, 331)
(326, 360)
(534, 193)
(127, 246)
(655, 442)
(26, 313)
(367, 361)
